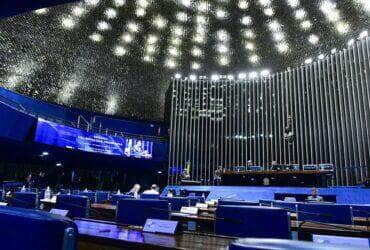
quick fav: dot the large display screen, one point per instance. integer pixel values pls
(55, 134)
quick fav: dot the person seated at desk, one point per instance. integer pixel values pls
(170, 193)
(135, 191)
(153, 190)
(314, 197)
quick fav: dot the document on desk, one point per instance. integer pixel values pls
(189, 210)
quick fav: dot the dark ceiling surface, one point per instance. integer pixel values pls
(118, 56)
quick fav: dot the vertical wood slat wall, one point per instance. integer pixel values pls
(229, 123)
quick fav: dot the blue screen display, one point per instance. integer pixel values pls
(55, 134)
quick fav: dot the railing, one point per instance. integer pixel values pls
(82, 122)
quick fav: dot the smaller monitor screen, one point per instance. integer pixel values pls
(55, 134)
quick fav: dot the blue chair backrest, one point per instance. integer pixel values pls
(64, 191)
(135, 212)
(361, 210)
(177, 202)
(75, 192)
(2, 195)
(149, 196)
(252, 221)
(115, 197)
(274, 244)
(102, 196)
(25, 200)
(289, 206)
(34, 230)
(78, 206)
(222, 202)
(326, 213)
(89, 194)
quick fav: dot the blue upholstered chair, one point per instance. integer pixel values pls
(102, 196)
(277, 244)
(326, 213)
(35, 230)
(2, 195)
(289, 206)
(64, 191)
(78, 206)
(135, 212)
(252, 221)
(89, 194)
(25, 200)
(149, 196)
(223, 202)
(115, 197)
(361, 210)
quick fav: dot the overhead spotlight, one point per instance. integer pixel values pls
(119, 3)
(342, 27)
(159, 22)
(351, 42)
(68, 23)
(246, 20)
(195, 66)
(230, 77)
(119, 51)
(314, 39)
(177, 75)
(96, 37)
(253, 74)
(333, 51)
(243, 4)
(223, 60)
(193, 77)
(103, 25)
(308, 61)
(363, 34)
(215, 77)
(110, 13)
(78, 11)
(221, 14)
(321, 57)
(268, 11)
(300, 14)
(242, 75)
(58, 164)
(306, 25)
(41, 11)
(265, 72)
(254, 59)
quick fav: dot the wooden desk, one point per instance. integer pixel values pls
(94, 235)
(330, 229)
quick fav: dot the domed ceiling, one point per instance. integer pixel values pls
(118, 56)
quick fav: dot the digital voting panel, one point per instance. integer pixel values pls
(51, 133)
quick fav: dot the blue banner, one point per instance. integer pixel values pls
(55, 134)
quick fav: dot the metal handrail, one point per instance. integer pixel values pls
(88, 127)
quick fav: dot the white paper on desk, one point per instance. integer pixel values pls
(189, 210)
(201, 205)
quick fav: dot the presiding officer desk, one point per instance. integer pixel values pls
(95, 234)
